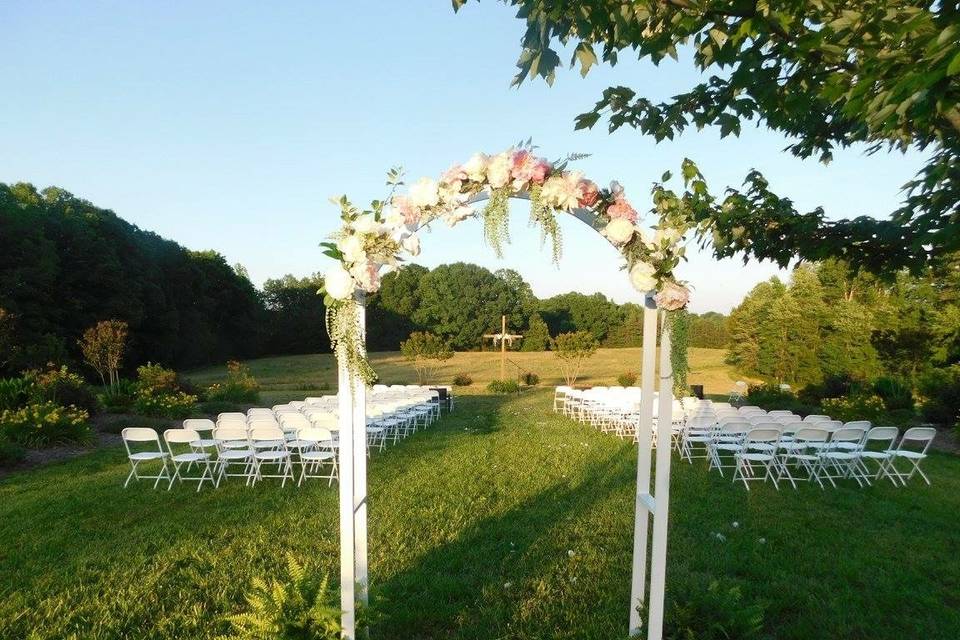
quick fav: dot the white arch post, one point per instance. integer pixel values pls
(352, 402)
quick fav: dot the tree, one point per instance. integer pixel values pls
(573, 311)
(573, 349)
(102, 346)
(460, 302)
(426, 352)
(296, 315)
(537, 335)
(7, 337)
(828, 74)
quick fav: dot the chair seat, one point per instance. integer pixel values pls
(839, 455)
(191, 457)
(147, 455)
(267, 444)
(317, 455)
(875, 455)
(913, 455)
(272, 455)
(755, 457)
(235, 454)
(802, 456)
(729, 446)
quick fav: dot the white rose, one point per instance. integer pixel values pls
(338, 283)
(424, 193)
(412, 245)
(367, 275)
(642, 277)
(498, 171)
(476, 167)
(619, 231)
(458, 215)
(367, 224)
(352, 248)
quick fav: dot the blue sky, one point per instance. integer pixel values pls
(228, 125)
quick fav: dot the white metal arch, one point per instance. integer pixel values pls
(352, 396)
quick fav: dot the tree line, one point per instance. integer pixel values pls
(830, 321)
(66, 264)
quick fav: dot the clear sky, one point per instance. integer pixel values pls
(228, 125)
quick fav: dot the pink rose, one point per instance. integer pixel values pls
(622, 209)
(455, 175)
(403, 204)
(589, 193)
(672, 296)
(541, 169)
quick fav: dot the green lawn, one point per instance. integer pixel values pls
(293, 377)
(503, 521)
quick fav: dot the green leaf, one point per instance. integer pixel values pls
(584, 53)
(954, 67)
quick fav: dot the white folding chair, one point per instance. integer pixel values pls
(233, 449)
(877, 445)
(315, 446)
(759, 448)
(184, 450)
(912, 448)
(270, 447)
(802, 452)
(143, 445)
(840, 457)
(204, 429)
(727, 440)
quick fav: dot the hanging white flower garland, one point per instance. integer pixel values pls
(383, 234)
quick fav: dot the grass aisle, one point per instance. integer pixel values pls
(504, 521)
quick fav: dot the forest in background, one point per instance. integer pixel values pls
(66, 264)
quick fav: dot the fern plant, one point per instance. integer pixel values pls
(298, 607)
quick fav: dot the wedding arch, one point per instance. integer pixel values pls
(380, 236)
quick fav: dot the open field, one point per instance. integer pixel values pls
(503, 521)
(293, 377)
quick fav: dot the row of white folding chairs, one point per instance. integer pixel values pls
(820, 453)
(255, 451)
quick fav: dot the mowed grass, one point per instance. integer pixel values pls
(293, 377)
(503, 521)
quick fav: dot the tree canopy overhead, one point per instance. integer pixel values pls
(824, 73)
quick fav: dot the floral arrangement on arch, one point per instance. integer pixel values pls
(380, 236)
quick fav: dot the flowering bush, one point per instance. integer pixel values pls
(379, 236)
(503, 386)
(62, 387)
(46, 423)
(858, 407)
(240, 385)
(627, 379)
(160, 404)
(463, 380)
(156, 379)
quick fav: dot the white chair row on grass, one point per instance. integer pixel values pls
(611, 409)
(252, 454)
(284, 434)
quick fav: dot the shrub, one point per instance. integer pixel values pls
(14, 392)
(941, 388)
(858, 407)
(213, 407)
(176, 404)
(832, 386)
(462, 380)
(771, 397)
(118, 422)
(300, 605)
(62, 387)
(10, 452)
(156, 379)
(240, 385)
(896, 394)
(503, 386)
(43, 424)
(627, 379)
(120, 397)
(530, 379)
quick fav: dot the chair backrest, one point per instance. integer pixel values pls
(848, 434)
(792, 426)
(863, 424)
(768, 424)
(231, 415)
(199, 424)
(763, 434)
(701, 422)
(262, 421)
(294, 421)
(759, 418)
(882, 434)
(180, 436)
(780, 412)
(922, 436)
(750, 407)
(140, 434)
(230, 434)
(813, 417)
(325, 420)
(811, 434)
(829, 425)
(266, 432)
